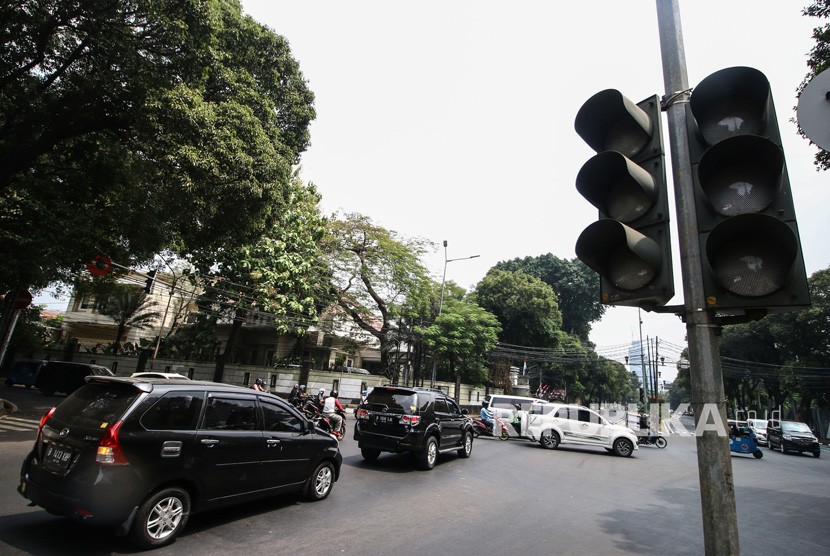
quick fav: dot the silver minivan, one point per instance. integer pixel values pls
(759, 427)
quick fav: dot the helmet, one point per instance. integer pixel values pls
(302, 388)
(364, 392)
(322, 391)
(260, 382)
(296, 386)
(334, 393)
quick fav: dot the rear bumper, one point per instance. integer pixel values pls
(109, 503)
(411, 442)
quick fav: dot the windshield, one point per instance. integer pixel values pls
(795, 427)
(396, 401)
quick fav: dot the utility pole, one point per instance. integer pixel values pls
(717, 491)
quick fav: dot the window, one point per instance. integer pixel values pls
(176, 411)
(441, 405)
(279, 419)
(230, 414)
(452, 407)
(246, 379)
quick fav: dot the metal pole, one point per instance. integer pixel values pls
(642, 358)
(717, 491)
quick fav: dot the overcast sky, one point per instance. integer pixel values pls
(453, 120)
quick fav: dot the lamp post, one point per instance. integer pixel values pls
(441, 302)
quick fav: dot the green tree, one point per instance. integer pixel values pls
(818, 61)
(282, 276)
(375, 274)
(576, 287)
(525, 306)
(131, 126)
(129, 307)
(461, 336)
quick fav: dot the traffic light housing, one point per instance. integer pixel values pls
(750, 248)
(629, 246)
(148, 284)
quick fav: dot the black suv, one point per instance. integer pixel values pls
(421, 421)
(792, 436)
(66, 376)
(141, 455)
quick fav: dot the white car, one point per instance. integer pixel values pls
(555, 424)
(155, 374)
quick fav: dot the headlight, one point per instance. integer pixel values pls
(787, 437)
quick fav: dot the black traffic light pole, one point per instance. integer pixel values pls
(717, 493)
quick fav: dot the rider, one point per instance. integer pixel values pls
(294, 394)
(320, 398)
(330, 406)
(486, 415)
(259, 385)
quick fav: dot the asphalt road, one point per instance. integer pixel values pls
(510, 497)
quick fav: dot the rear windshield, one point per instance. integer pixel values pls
(394, 401)
(96, 405)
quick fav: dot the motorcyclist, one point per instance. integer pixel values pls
(259, 385)
(331, 405)
(486, 416)
(320, 398)
(294, 394)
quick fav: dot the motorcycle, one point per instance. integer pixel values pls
(648, 439)
(482, 428)
(323, 422)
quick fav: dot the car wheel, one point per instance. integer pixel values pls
(623, 447)
(161, 518)
(549, 439)
(369, 454)
(817, 454)
(466, 445)
(781, 447)
(426, 459)
(321, 482)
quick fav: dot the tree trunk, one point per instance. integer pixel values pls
(218, 374)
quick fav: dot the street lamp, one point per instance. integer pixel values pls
(441, 302)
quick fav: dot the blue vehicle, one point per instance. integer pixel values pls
(742, 439)
(24, 373)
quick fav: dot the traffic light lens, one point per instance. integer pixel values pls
(628, 271)
(743, 189)
(627, 201)
(751, 268)
(626, 136)
(728, 119)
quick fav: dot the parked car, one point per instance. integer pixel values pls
(420, 421)
(24, 373)
(553, 425)
(141, 455)
(759, 427)
(792, 436)
(66, 376)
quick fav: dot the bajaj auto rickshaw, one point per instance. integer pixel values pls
(742, 439)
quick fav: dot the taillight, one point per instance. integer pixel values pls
(362, 414)
(109, 448)
(410, 420)
(43, 422)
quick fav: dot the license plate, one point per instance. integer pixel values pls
(58, 456)
(384, 418)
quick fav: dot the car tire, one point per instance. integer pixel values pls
(426, 459)
(320, 483)
(370, 454)
(466, 445)
(160, 518)
(817, 454)
(623, 447)
(781, 447)
(549, 439)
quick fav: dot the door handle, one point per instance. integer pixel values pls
(271, 442)
(209, 442)
(171, 449)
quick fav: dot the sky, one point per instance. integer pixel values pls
(454, 120)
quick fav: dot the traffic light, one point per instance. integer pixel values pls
(750, 247)
(629, 247)
(148, 284)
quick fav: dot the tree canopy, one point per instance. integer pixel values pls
(576, 288)
(525, 306)
(132, 126)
